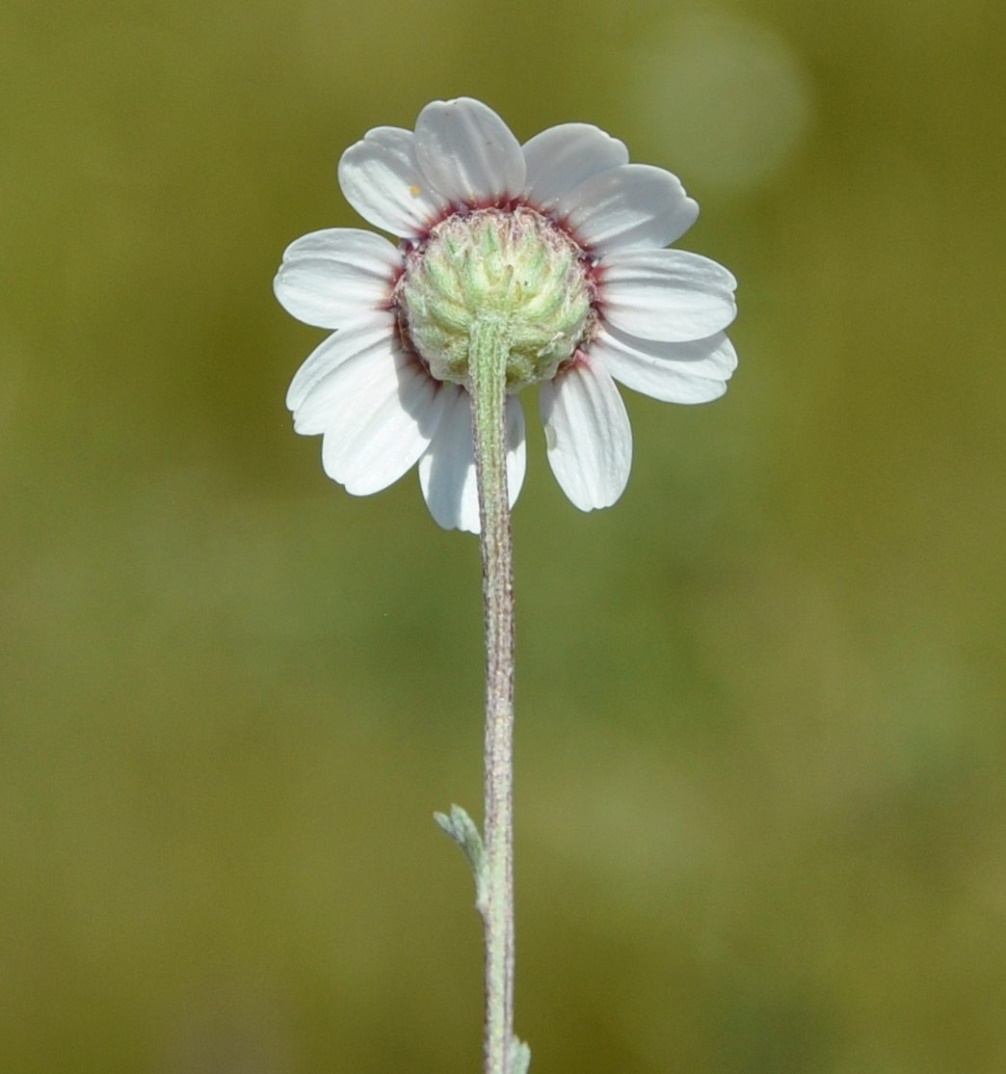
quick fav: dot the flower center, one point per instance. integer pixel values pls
(514, 265)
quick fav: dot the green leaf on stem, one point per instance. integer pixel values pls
(520, 1057)
(461, 828)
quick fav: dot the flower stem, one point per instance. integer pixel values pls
(488, 351)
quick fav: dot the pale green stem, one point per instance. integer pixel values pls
(489, 349)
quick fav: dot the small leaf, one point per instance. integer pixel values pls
(461, 828)
(520, 1059)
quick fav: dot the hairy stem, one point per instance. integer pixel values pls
(489, 348)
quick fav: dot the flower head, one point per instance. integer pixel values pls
(562, 237)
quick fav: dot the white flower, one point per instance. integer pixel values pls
(483, 219)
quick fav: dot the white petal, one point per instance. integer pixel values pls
(694, 372)
(561, 157)
(382, 181)
(516, 448)
(468, 153)
(447, 470)
(381, 416)
(632, 207)
(374, 334)
(587, 434)
(667, 294)
(329, 278)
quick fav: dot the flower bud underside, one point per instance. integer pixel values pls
(513, 265)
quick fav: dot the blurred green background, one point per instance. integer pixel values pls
(761, 808)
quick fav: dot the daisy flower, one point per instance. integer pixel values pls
(561, 237)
